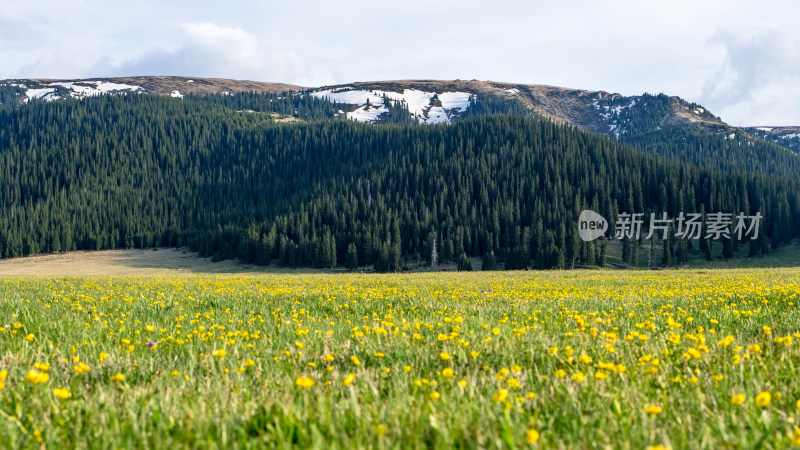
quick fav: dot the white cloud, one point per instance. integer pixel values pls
(210, 50)
(758, 81)
(53, 64)
(16, 30)
(626, 46)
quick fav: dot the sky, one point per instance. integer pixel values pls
(739, 59)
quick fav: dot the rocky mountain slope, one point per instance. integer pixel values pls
(438, 101)
(788, 137)
(49, 89)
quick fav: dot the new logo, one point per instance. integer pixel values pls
(591, 225)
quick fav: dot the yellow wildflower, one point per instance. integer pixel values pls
(763, 399)
(304, 382)
(653, 410)
(62, 393)
(500, 396)
(36, 377)
(794, 439)
(531, 437)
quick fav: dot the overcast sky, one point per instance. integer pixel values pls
(740, 59)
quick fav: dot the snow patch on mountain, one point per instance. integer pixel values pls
(417, 102)
(349, 96)
(455, 100)
(367, 113)
(81, 89)
(426, 107)
(48, 94)
(77, 89)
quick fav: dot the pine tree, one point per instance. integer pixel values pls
(395, 256)
(332, 259)
(601, 259)
(683, 251)
(489, 261)
(434, 256)
(666, 255)
(382, 264)
(727, 248)
(351, 259)
(464, 264)
(626, 250)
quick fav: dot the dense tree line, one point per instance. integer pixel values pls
(650, 125)
(137, 171)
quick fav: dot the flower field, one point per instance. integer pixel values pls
(678, 359)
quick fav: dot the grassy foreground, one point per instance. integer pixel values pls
(680, 359)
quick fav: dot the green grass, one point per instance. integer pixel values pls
(784, 256)
(523, 326)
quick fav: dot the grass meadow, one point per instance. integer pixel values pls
(563, 359)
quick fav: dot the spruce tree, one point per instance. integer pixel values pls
(489, 261)
(464, 264)
(351, 258)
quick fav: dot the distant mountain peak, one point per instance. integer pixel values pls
(53, 89)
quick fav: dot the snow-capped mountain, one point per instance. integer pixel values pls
(435, 101)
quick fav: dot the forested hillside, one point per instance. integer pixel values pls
(219, 174)
(649, 124)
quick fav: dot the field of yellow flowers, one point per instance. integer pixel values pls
(680, 359)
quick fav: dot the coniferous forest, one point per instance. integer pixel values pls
(220, 175)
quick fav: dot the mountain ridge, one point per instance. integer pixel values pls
(540, 97)
(609, 114)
